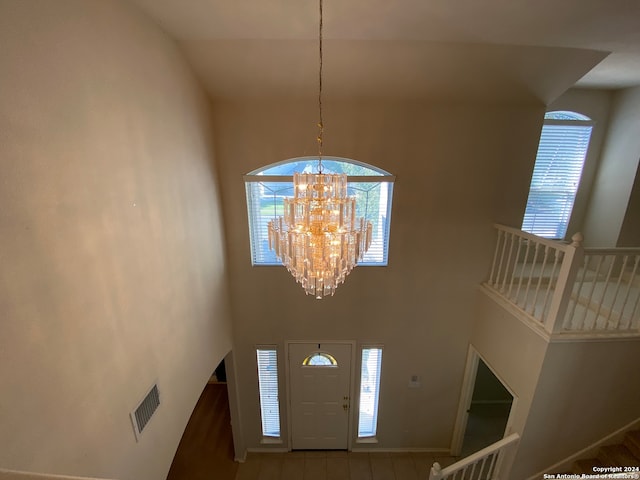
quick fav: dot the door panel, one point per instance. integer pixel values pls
(319, 397)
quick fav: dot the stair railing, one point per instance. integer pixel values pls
(534, 273)
(564, 288)
(606, 292)
(486, 464)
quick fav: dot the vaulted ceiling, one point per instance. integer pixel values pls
(493, 50)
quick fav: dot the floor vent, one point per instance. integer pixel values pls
(143, 413)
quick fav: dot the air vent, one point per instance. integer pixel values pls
(143, 413)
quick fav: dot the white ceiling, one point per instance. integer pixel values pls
(491, 49)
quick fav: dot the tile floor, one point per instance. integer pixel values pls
(339, 465)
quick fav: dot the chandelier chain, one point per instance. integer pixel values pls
(320, 123)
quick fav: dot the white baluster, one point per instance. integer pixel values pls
(615, 323)
(557, 256)
(524, 264)
(626, 295)
(515, 265)
(569, 323)
(504, 247)
(506, 268)
(531, 271)
(495, 257)
(542, 268)
(604, 292)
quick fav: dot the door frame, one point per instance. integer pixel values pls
(351, 386)
(468, 384)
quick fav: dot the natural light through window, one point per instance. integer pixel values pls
(320, 359)
(268, 186)
(369, 391)
(268, 387)
(556, 176)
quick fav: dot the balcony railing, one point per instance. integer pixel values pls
(486, 464)
(565, 288)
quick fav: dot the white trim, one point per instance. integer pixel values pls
(561, 337)
(237, 432)
(240, 458)
(365, 440)
(612, 336)
(271, 440)
(437, 451)
(612, 438)
(267, 450)
(289, 178)
(466, 394)
(43, 476)
(315, 158)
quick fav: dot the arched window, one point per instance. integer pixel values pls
(320, 359)
(556, 176)
(267, 186)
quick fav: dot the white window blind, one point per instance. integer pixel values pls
(369, 391)
(268, 386)
(556, 176)
(267, 187)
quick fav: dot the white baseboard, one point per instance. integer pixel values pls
(591, 450)
(268, 450)
(241, 458)
(436, 451)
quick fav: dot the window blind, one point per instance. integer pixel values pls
(369, 391)
(268, 387)
(265, 202)
(556, 177)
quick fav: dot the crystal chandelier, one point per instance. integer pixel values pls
(318, 238)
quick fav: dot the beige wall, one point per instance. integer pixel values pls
(112, 261)
(586, 391)
(630, 231)
(513, 351)
(616, 173)
(459, 168)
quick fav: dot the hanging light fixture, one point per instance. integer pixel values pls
(318, 238)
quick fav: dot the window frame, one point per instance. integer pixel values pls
(257, 223)
(554, 224)
(372, 435)
(269, 436)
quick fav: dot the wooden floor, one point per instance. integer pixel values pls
(206, 449)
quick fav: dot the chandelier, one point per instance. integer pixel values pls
(318, 238)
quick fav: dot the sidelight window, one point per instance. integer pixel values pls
(369, 391)
(268, 388)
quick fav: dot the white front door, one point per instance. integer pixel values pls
(320, 379)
